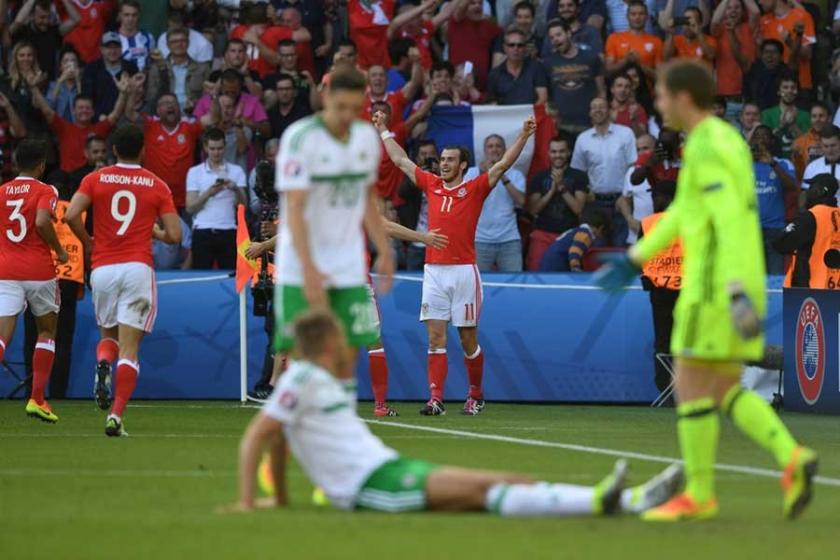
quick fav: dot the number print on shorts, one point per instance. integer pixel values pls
(124, 218)
(469, 311)
(16, 216)
(364, 318)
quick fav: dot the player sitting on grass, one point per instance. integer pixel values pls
(312, 409)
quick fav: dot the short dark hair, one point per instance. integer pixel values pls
(464, 154)
(94, 138)
(696, 11)
(130, 3)
(773, 42)
(377, 105)
(128, 141)
(178, 31)
(524, 5)
(398, 49)
(29, 154)
(443, 66)
(287, 43)
(45, 5)
(557, 22)
(213, 134)
(830, 131)
(787, 77)
(821, 105)
(425, 142)
(595, 217)
(87, 98)
(692, 77)
(234, 42)
(283, 77)
(232, 75)
(721, 100)
(348, 43)
(561, 138)
(633, 3)
(346, 77)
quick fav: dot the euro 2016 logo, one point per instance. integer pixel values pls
(810, 351)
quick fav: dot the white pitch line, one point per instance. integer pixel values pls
(116, 473)
(827, 481)
(193, 280)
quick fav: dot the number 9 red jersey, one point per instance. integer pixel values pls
(127, 201)
(455, 213)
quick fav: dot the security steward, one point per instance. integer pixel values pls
(812, 236)
(662, 277)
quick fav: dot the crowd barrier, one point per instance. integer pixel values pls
(546, 337)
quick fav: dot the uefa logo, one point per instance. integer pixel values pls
(810, 351)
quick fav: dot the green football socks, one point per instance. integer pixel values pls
(758, 421)
(698, 427)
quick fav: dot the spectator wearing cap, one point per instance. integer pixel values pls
(634, 45)
(177, 73)
(585, 35)
(369, 21)
(774, 178)
(72, 136)
(787, 121)
(829, 163)
(806, 148)
(605, 152)
(761, 82)
(811, 235)
(519, 80)
(524, 21)
(635, 202)
(470, 35)
(136, 44)
(33, 23)
(556, 197)
(199, 49)
(575, 77)
(497, 242)
(99, 79)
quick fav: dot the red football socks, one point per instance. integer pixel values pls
(42, 363)
(126, 381)
(475, 373)
(378, 366)
(107, 350)
(437, 372)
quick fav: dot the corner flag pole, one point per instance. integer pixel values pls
(243, 347)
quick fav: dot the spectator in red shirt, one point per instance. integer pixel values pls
(369, 21)
(661, 165)
(471, 35)
(72, 136)
(293, 19)
(419, 23)
(624, 108)
(93, 16)
(170, 142)
(378, 84)
(236, 57)
(262, 39)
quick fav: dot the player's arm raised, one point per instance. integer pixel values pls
(395, 151)
(512, 154)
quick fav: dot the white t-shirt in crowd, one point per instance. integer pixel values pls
(642, 202)
(337, 176)
(326, 436)
(220, 210)
(818, 167)
(200, 49)
(497, 223)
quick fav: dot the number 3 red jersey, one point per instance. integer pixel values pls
(23, 254)
(127, 201)
(455, 213)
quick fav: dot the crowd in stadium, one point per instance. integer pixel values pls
(215, 84)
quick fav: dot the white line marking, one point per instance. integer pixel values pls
(110, 472)
(596, 450)
(194, 280)
(99, 435)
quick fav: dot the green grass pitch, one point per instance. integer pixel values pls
(67, 491)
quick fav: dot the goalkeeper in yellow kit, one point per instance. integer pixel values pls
(718, 317)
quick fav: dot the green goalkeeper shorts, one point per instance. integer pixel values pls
(397, 486)
(704, 331)
(353, 307)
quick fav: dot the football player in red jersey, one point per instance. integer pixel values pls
(27, 270)
(451, 283)
(127, 201)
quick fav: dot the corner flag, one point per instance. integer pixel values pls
(245, 267)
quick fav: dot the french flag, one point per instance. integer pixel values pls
(469, 125)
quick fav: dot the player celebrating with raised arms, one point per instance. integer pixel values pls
(326, 171)
(311, 411)
(452, 290)
(27, 270)
(718, 316)
(127, 201)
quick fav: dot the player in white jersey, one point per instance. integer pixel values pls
(326, 169)
(312, 412)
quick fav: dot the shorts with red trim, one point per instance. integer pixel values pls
(452, 292)
(125, 294)
(42, 296)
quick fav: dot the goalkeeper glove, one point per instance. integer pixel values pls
(616, 273)
(744, 316)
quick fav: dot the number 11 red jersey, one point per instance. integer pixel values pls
(455, 213)
(127, 201)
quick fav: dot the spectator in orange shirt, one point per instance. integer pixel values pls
(634, 45)
(624, 108)
(807, 148)
(692, 43)
(794, 27)
(735, 33)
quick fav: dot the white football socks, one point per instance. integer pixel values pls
(539, 499)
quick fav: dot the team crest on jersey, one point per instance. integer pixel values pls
(649, 47)
(810, 351)
(462, 192)
(182, 139)
(94, 13)
(288, 400)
